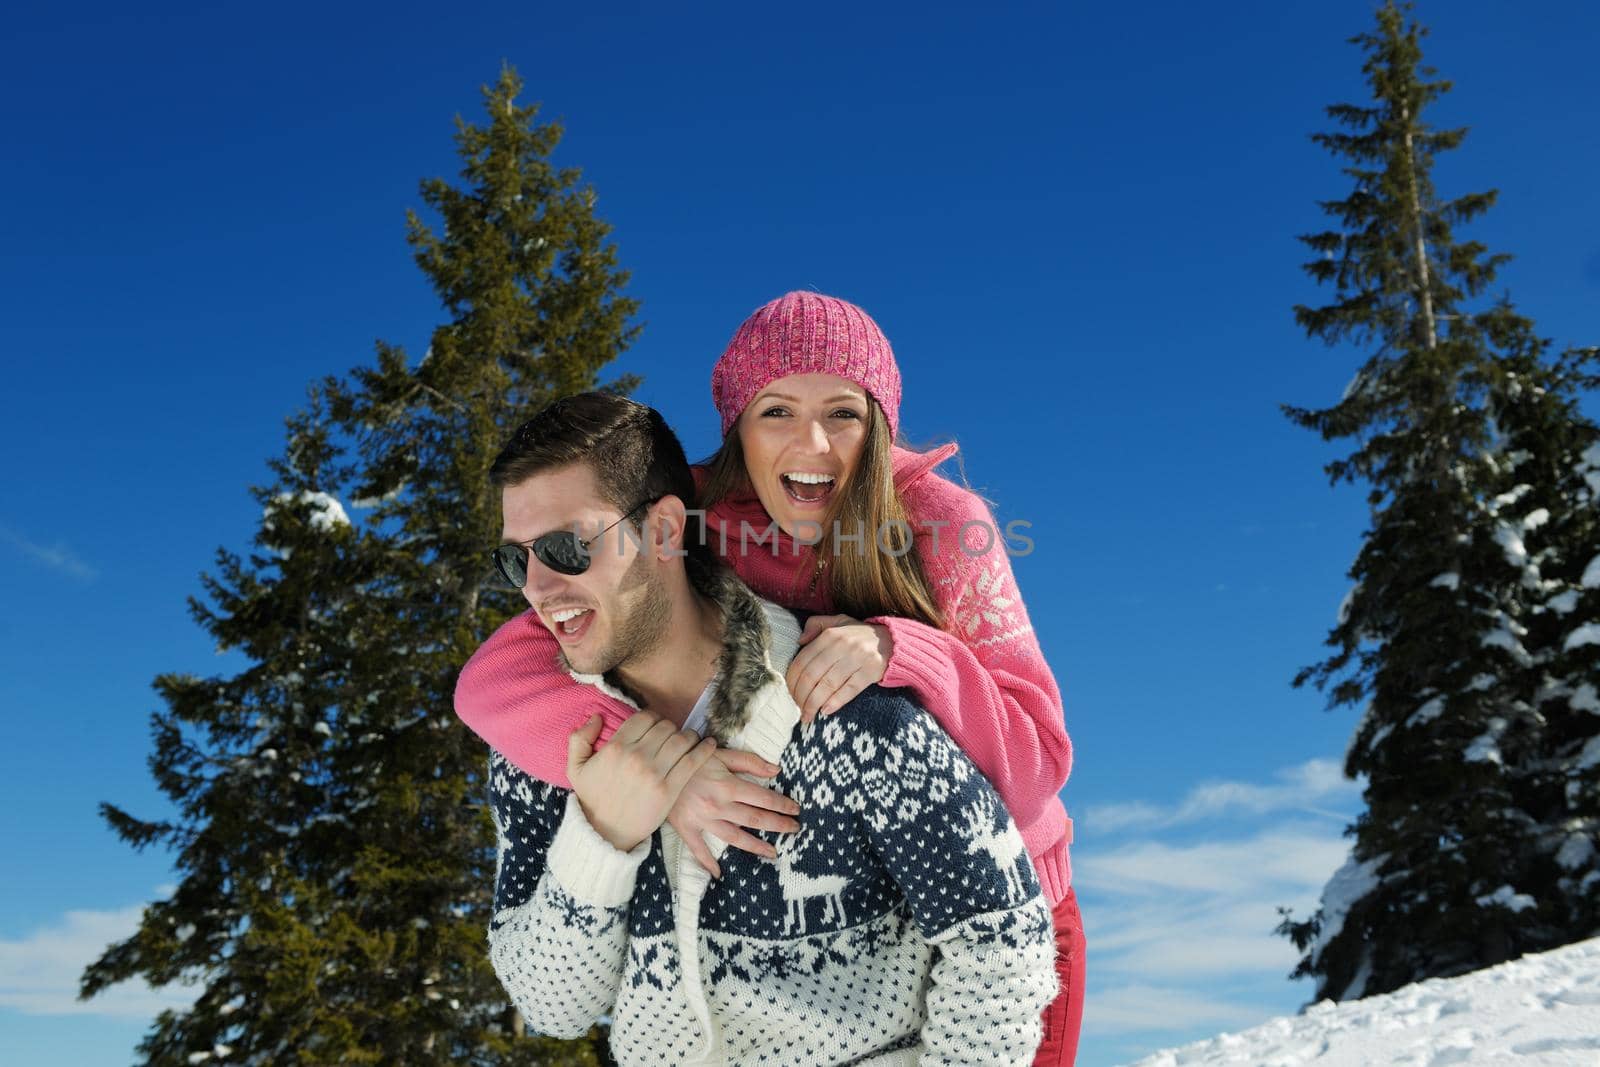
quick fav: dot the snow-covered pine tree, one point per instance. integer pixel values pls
(1433, 634)
(336, 856)
(1543, 507)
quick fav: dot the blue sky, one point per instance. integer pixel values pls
(1075, 223)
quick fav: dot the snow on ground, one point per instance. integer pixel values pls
(1540, 1011)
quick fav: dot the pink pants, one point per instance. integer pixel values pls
(1064, 1015)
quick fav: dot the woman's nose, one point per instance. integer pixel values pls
(814, 437)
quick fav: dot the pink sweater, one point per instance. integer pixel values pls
(983, 677)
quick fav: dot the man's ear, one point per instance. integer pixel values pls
(668, 523)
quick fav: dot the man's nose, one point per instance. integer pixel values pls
(542, 584)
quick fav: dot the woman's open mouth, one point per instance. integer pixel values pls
(807, 488)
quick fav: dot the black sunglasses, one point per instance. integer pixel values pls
(563, 551)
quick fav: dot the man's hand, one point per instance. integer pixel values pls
(718, 801)
(627, 788)
(840, 657)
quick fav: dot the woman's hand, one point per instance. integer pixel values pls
(717, 801)
(627, 788)
(839, 657)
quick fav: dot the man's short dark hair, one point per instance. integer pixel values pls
(632, 451)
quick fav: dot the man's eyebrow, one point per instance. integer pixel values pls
(575, 525)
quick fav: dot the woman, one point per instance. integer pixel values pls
(813, 505)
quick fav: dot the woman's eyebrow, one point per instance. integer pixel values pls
(795, 400)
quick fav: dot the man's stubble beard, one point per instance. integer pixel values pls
(641, 609)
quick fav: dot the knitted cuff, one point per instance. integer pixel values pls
(773, 714)
(921, 657)
(589, 867)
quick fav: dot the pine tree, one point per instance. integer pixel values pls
(1543, 507)
(337, 860)
(1434, 636)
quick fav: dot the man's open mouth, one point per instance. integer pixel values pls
(571, 623)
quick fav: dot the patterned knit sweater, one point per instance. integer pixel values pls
(903, 924)
(983, 676)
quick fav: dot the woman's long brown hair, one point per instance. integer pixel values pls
(879, 574)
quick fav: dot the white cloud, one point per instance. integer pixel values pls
(1207, 909)
(1137, 1008)
(39, 973)
(56, 557)
(1210, 938)
(1273, 858)
(1312, 787)
(1181, 901)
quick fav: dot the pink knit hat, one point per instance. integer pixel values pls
(806, 333)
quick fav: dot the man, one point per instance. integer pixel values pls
(901, 924)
